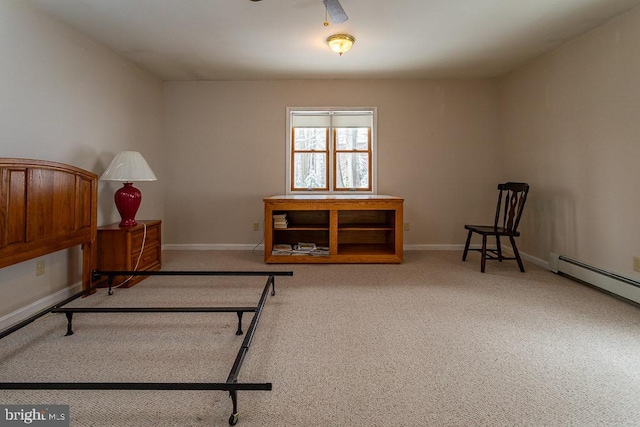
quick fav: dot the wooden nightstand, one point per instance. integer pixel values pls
(120, 249)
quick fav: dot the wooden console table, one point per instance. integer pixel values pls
(354, 228)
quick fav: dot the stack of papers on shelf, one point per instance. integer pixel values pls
(304, 248)
(320, 251)
(299, 249)
(281, 249)
(280, 220)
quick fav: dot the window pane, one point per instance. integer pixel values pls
(352, 170)
(352, 139)
(331, 150)
(310, 139)
(310, 170)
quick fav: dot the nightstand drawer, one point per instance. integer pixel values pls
(152, 237)
(150, 257)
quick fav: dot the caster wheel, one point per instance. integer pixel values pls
(233, 419)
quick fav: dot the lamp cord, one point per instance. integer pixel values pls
(135, 268)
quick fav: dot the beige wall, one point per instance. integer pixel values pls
(225, 143)
(66, 99)
(571, 127)
(566, 123)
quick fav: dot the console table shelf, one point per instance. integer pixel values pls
(354, 228)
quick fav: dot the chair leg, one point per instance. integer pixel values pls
(499, 248)
(516, 253)
(466, 246)
(483, 260)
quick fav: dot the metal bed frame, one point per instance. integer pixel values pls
(231, 384)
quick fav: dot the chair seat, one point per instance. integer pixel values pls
(488, 230)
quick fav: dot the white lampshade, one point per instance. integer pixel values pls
(128, 166)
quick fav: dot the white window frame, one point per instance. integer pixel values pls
(330, 160)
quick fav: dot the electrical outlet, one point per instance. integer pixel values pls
(407, 226)
(636, 263)
(256, 226)
(40, 268)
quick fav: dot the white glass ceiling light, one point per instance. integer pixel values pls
(340, 43)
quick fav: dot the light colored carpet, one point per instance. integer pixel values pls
(430, 342)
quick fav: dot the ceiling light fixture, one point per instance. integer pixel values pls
(340, 43)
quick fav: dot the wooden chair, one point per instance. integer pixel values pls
(505, 224)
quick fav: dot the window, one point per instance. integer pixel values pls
(331, 150)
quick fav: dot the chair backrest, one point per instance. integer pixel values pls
(515, 196)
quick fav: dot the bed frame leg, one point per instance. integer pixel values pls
(233, 419)
(239, 331)
(69, 323)
(110, 292)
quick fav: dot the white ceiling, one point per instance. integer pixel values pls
(285, 39)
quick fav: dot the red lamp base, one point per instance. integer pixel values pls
(127, 201)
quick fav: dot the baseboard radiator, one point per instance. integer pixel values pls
(607, 281)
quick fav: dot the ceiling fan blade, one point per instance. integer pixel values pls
(336, 12)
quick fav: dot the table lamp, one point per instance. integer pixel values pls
(126, 167)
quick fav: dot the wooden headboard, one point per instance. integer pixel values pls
(46, 207)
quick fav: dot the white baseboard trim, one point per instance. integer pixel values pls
(537, 261)
(260, 246)
(426, 247)
(212, 247)
(433, 247)
(25, 312)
